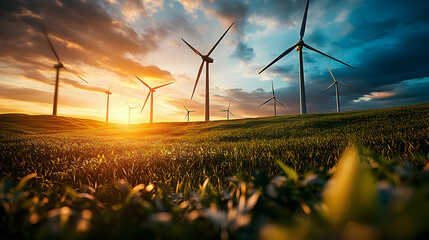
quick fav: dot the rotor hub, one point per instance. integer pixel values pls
(208, 59)
(58, 65)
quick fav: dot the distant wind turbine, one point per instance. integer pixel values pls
(299, 45)
(336, 88)
(58, 66)
(207, 60)
(187, 113)
(108, 92)
(151, 91)
(274, 100)
(228, 111)
(129, 112)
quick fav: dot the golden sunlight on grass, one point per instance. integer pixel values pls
(351, 193)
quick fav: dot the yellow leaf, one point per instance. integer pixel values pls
(351, 193)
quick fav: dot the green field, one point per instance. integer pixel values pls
(262, 178)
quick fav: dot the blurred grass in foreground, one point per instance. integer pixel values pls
(350, 201)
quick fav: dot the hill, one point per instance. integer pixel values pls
(67, 178)
(23, 123)
(244, 129)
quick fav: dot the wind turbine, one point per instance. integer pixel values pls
(274, 100)
(299, 45)
(336, 88)
(57, 66)
(228, 111)
(207, 59)
(129, 112)
(151, 91)
(108, 92)
(187, 113)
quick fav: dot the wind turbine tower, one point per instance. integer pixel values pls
(129, 112)
(108, 92)
(274, 100)
(205, 59)
(299, 46)
(228, 111)
(57, 66)
(151, 91)
(187, 113)
(336, 88)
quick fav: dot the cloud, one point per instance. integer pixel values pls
(190, 6)
(375, 95)
(116, 36)
(33, 95)
(83, 33)
(227, 11)
(386, 48)
(243, 52)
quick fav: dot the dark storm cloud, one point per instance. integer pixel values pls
(383, 70)
(388, 48)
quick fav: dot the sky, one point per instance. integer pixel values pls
(108, 42)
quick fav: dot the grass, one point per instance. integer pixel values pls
(187, 176)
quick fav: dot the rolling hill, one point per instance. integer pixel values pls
(269, 127)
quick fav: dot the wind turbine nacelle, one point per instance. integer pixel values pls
(208, 59)
(58, 65)
(299, 44)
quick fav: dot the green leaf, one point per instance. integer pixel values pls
(24, 181)
(289, 172)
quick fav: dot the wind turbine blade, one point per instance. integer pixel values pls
(304, 21)
(345, 84)
(193, 49)
(49, 42)
(143, 82)
(311, 48)
(327, 88)
(278, 58)
(229, 104)
(146, 101)
(162, 85)
(272, 87)
(211, 50)
(76, 75)
(110, 86)
(332, 75)
(231, 113)
(192, 111)
(198, 78)
(266, 102)
(186, 109)
(186, 115)
(128, 104)
(280, 103)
